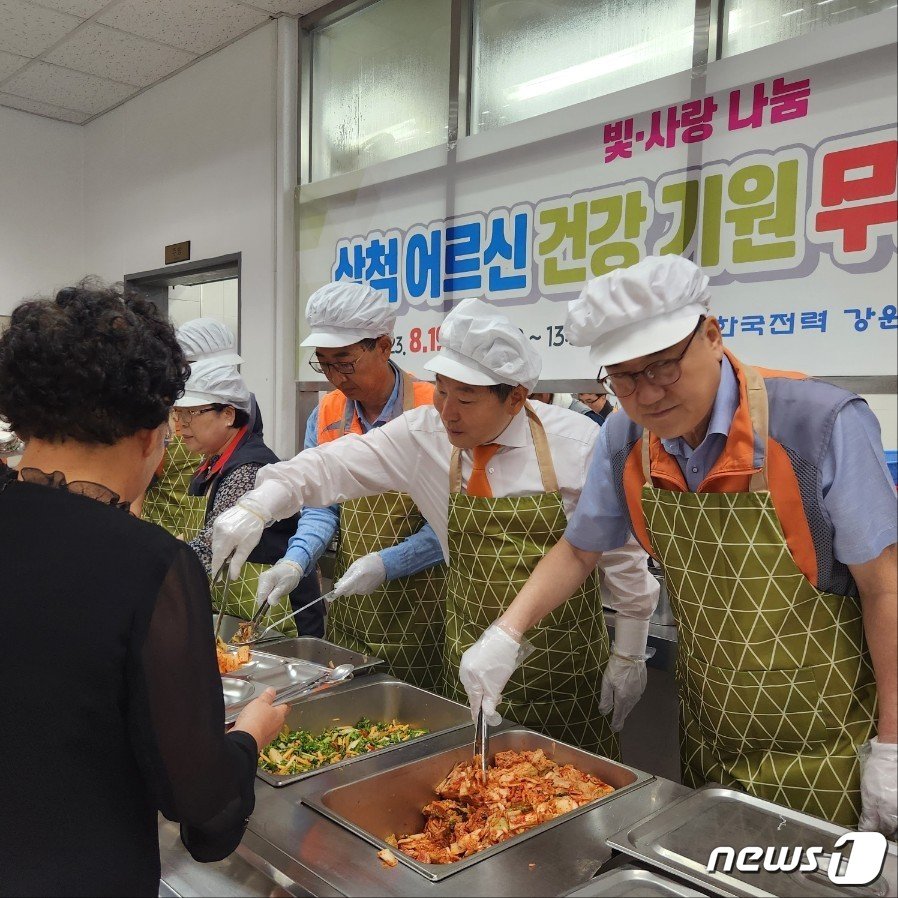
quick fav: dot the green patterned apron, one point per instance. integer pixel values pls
(164, 502)
(494, 545)
(776, 684)
(241, 598)
(402, 621)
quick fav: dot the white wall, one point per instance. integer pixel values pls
(193, 158)
(41, 224)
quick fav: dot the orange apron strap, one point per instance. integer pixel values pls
(540, 445)
(646, 457)
(760, 421)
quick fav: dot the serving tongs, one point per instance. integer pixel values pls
(482, 743)
(223, 570)
(255, 637)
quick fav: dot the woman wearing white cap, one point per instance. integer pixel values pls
(389, 561)
(166, 502)
(497, 479)
(218, 419)
(766, 497)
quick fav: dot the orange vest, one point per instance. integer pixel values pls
(731, 474)
(332, 409)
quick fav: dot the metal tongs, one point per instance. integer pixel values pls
(254, 637)
(482, 743)
(224, 592)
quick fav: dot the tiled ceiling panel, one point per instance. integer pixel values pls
(10, 63)
(290, 7)
(46, 109)
(117, 55)
(83, 8)
(28, 29)
(75, 59)
(63, 87)
(201, 25)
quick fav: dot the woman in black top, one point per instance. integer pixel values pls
(113, 707)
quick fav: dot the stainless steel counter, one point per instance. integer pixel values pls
(290, 849)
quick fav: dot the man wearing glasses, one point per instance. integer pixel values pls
(389, 561)
(766, 497)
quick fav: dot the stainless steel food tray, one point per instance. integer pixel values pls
(377, 697)
(272, 670)
(237, 693)
(681, 837)
(320, 651)
(388, 802)
(629, 882)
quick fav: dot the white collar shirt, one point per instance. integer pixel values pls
(412, 454)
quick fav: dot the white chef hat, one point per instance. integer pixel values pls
(482, 347)
(211, 381)
(208, 338)
(632, 312)
(342, 313)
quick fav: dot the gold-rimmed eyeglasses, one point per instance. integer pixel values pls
(186, 415)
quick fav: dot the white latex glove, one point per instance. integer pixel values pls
(486, 667)
(362, 577)
(238, 530)
(879, 789)
(623, 682)
(278, 581)
(625, 676)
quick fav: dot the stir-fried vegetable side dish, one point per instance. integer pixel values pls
(296, 751)
(523, 790)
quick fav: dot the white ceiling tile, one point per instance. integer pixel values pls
(291, 7)
(113, 54)
(65, 87)
(197, 26)
(28, 30)
(82, 8)
(47, 109)
(10, 63)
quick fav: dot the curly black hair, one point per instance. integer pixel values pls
(95, 364)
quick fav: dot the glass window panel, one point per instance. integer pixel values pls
(533, 57)
(380, 85)
(749, 24)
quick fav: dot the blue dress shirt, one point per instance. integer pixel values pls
(858, 491)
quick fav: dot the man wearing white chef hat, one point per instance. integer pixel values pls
(389, 561)
(497, 479)
(765, 496)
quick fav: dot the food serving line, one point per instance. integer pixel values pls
(318, 832)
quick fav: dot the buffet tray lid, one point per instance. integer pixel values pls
(628, 881)
(681, 837)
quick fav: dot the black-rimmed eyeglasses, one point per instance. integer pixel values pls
(345, 368)
(662, 373)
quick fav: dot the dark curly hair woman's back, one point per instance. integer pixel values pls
(94, 364)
